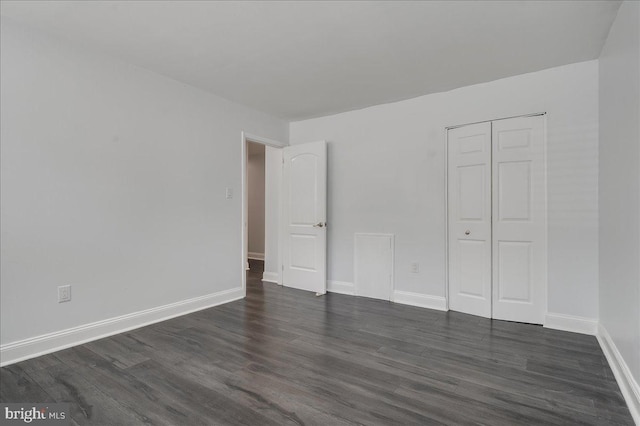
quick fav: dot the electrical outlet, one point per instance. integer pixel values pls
(415, 268)
(64, 293)
(229, 193)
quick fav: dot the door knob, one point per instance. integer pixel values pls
(318, 225)
(467, 232)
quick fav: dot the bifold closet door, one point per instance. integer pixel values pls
(519, 220)
(469, 207)
(497, 219)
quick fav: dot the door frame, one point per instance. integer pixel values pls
(545, 303)
(246, 137)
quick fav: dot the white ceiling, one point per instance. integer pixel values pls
(304, 59)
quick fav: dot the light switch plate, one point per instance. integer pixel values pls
(64, 293)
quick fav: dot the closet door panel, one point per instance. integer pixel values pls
(519, 220)
(469, 210)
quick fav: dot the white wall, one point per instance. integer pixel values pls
(273, 179)
(620, 186)
(113, 180)
(387, 171)
(255, 200)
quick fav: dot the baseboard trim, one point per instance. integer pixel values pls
(628, 385)
(421, 300)
(271, 277)
(571, 323)
(255, 256)
(13, 352)
(341, 287)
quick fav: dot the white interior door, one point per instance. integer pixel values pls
(304, 216)
(519, 220)
(469, 199)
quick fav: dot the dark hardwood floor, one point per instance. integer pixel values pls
(284, 356)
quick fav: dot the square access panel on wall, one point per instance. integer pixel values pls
(373, 265)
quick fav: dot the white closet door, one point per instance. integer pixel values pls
(469, 198)
(519, 220)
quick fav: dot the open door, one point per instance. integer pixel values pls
(304, 215)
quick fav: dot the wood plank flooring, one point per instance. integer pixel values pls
(284, 356)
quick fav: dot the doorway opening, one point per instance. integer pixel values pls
(261, 186)
(255, 207)
(295, 213)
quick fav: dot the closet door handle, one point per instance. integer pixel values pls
(467, 232)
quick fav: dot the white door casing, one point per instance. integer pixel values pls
(469, 217)
(519, 220)
(304, 213)
(247, 137)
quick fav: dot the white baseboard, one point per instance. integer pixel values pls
(628, 385)
(571, 323)
(341, 287)
(40, 345)
(420, 300)
(271, 277)
(255, 256)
